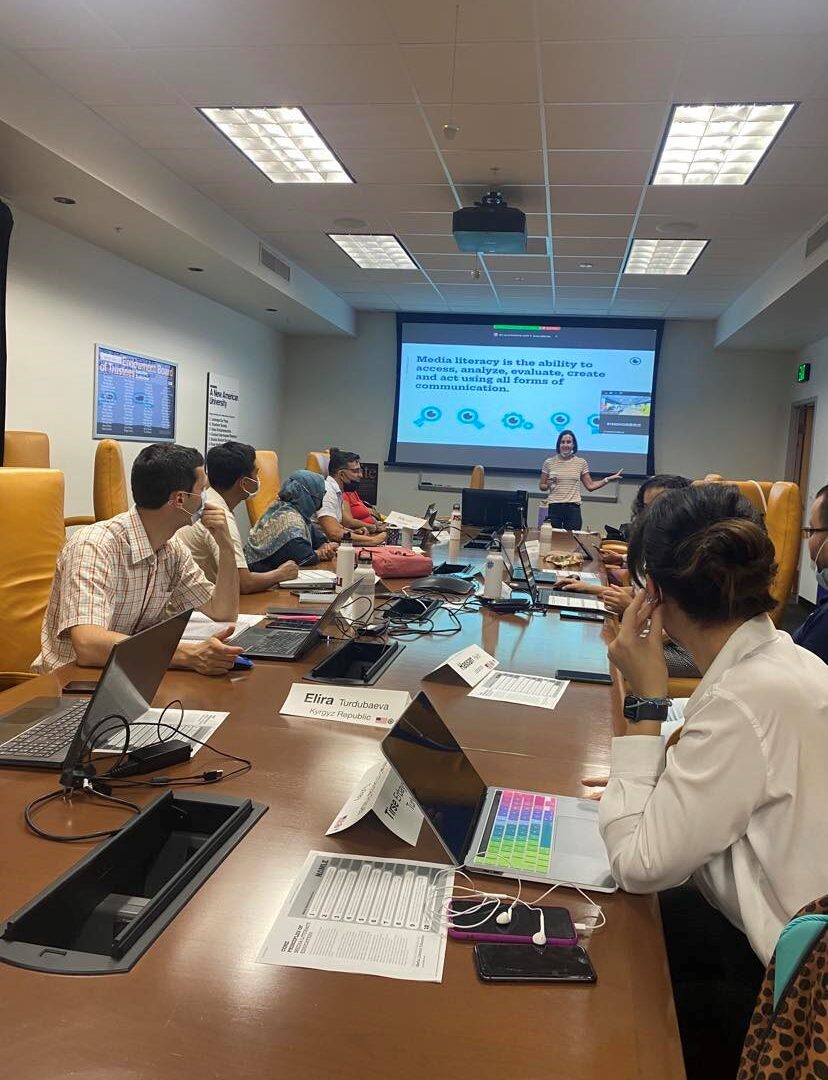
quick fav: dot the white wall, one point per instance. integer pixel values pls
(816, 388)
(717, 411)
(64, 295)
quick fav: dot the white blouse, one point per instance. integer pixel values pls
(741, 802)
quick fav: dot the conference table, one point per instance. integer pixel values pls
(198, 1005)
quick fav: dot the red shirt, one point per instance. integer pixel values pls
(358, 508)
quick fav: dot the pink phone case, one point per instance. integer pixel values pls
(481, 934)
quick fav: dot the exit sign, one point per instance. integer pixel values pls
(803, 373)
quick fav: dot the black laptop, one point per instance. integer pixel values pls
(47, 734)
(278, 643)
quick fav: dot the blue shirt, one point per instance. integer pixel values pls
(813, 634)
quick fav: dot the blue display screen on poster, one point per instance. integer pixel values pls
(134, 396)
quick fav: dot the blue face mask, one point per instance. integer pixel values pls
(821, 575)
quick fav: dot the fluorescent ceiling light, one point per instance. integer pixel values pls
(374, 251)
(664, 256)
(282, 142)
(717, 144)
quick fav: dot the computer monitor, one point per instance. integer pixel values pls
(490, 508)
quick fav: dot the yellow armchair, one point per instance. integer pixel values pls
(270, 483)
(26, 450)
(478, 477)
(109, 487)
(31, 509)
(317, 461)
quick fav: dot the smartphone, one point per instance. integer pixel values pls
(533, 963)
(80, 688)
(520, 928)
(584, 676)
(584, 616)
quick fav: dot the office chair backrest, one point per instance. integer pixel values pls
(31, 510)
(478, 477)
(109, 489)
(318, 462)
(269, 484)
(26, 450)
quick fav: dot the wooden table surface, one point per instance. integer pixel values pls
(197, 1005)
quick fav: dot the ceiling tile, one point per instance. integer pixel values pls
(458, 277)
(733, 69)
(766, 17)
(530, 199)
(529, 279)
(808, 126)
(54, 24)
(432, 21)
(518, 264)
(583, 278)
(594, 200)
(567, 264)
(604, 225)
(402, 167)
(434, 224)
(617, 71)
(513, 167)
(499, 126)
(162, 127)
(458, 262)
(597, 167)
(793, 165)
(606, 127)
(371, 126)
(588, 248)
(103, 76)
(610, 20)
(493, 71)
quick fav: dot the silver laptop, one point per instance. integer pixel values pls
(529, 835)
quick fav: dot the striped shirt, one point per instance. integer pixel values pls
(108, 575)
(567, 472)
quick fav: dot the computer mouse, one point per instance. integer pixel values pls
(443, 583)
(242, 663)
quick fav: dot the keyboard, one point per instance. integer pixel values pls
(48, 738)
(519, 832)
(278, 642)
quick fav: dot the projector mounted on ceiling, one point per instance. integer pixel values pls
(490, 226)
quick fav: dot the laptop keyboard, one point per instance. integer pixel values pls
(519, 832)
(49, 737)
(278, 642)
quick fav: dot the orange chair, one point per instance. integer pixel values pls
(109, 487)
(478, 477)
(270, 482)
(317, 461)
(26, 450)
(29, 547)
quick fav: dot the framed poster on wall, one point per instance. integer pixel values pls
(135, 396)
(222, 410)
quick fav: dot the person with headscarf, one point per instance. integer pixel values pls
(286, 530)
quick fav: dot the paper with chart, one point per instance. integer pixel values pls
(537, 690)
(192, 724)
(382, 791)
(362, 915)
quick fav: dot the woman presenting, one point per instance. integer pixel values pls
(562, 476)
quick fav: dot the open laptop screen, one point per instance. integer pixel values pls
(438, 774)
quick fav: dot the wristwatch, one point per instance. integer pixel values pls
(646, 708)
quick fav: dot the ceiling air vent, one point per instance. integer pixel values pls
(274, 263)
(816, 239)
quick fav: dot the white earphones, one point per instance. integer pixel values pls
(539, 938)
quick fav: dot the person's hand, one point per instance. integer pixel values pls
(573, 584)
(213, 657)
(640, 659)
(360, 530)
(610, 558)
(594, 782)
(214, 521)
(615, 598)
(326, 551)
(287, 571)
(615, 476)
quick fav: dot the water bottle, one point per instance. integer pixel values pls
(407, 538)
(545, 538)
(344, 565)
(455, 530)
(364, 576)
(493, 578)
(507, 543)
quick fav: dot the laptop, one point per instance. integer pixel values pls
(544, 597)
(48, 734)
(287, 644)
(529, 835)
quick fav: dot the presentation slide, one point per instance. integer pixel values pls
(134, 397)
(498, 393)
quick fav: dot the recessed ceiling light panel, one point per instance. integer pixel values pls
(374, 251)
(718, 144)
(664, 256)
(282, 142)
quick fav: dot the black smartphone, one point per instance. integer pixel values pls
(584, 676)
(584, 616)
(80, 688)
(533, 963)
(471, 922)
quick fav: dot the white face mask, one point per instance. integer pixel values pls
(821, 575)
(257, 484)
(195, 515)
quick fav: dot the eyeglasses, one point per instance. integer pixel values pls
(809, 531)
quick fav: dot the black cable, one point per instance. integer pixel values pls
(42, 800)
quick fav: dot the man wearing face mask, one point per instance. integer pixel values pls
(123, 575)
(333, 516)
(233, 477)
(813, 634)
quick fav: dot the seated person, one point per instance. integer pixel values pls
(649, 490)
(286, 534)
(813, 634)
(120, 576)
(334, 517)
(739, 804)
(234, 476)
(360, 511)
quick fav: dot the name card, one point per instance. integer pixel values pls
(349, 705)
(380, 790)
(468, 665)
(405, 521)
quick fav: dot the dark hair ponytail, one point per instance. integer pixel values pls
(706, 548)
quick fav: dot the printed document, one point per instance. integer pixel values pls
(518, 689)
